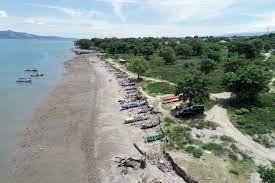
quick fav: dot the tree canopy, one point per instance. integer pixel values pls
(246, 83)
(267, 174)
(207, 65)
(234, 63)
(168, 55)
(193, 88)
(83, 44)
(140, 66)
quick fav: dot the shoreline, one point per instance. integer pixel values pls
(76, 135)
(52, 147)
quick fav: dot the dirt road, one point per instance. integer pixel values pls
(219, 115)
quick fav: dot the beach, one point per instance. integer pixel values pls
(77, 133)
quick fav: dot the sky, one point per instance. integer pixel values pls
(136, 18)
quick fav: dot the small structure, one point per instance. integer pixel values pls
(122, 61)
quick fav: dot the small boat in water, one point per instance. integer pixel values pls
(37, 74)
(31, 70)
(24, 80)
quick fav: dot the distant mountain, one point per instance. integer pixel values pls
(22, 35)
(246, 34)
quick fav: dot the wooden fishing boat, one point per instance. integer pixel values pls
(37, 74)
(154, 138)
(135, 119)
(31, 70)
(24, 80)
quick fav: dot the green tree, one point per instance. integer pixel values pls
(267, 174)
(193, 87)
(234, 63)
(184, 50)
(267, 46)
(246, 48)
(246, 83)
(83, 44)
(140, 66)
(197, 47)
(169, 56)
(207, 65)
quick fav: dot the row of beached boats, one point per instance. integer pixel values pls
(142, 113)
(32, 73)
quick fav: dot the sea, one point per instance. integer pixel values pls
(18, 101)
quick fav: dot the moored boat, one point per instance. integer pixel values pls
(31, 70)
(37, 74)
(24, 80)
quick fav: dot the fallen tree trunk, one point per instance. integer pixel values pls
(139, 150)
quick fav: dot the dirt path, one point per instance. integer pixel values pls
(219, 115)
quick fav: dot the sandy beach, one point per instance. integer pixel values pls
(77, 133)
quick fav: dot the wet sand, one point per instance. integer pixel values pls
(57, 145)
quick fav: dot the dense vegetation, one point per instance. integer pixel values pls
(202, 65)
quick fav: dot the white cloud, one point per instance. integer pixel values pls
(180, 10)
(117, 6)
(3, 13)
(69, 11)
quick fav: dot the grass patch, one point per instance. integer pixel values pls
(201, 124)
(178, 135)
(209, 104)
(216, 170)
(242, 167)
(195, 151)
(217, 149)
(159, 88)
(257, 121)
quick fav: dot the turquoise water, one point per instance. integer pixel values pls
(19, 100)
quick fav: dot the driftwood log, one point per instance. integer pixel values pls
(129, 162)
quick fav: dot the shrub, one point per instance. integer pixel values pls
(267, 174)
(234, 172)
(227, 138)
(217, 149)
(201, 124)
(242, 111)
(196, 152)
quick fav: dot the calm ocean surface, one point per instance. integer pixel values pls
(18, 101)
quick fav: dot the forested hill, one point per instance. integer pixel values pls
(22, 35)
